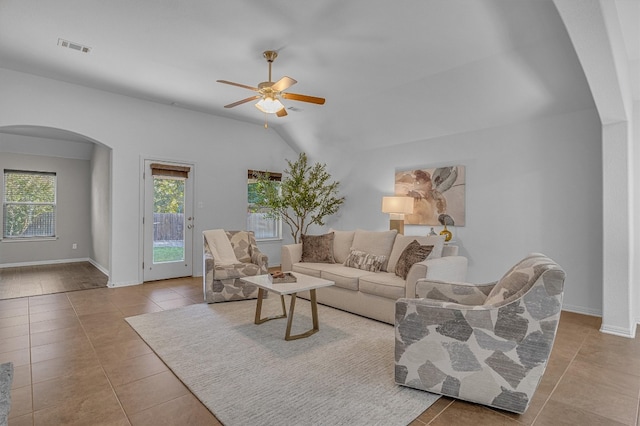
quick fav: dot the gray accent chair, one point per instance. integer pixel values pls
(221, 282)
(487, 344)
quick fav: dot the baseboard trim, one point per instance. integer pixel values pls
(619, 331)
(123, 284)
(582, 310)
(45, 262)
(99, 267)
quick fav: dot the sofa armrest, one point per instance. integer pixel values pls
(404, 305)
(260, 259)
(207, 257)
(291, 253)
(457, 292)
(449, 268)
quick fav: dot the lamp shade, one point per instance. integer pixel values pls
(397, 205)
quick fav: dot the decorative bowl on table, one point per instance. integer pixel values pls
(282, 277)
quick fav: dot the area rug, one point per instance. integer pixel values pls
(247, 374)
(6, 378)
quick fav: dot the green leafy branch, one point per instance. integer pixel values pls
(305, 196)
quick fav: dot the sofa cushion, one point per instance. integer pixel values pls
(383, 284)
(343, 276)
(237, 270)
(312, 269)
(365, 261)
(318, 248)
(402, 241)
(414, 252)
(379, 243)
(342, 242)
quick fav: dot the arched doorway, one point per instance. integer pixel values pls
(83, 188)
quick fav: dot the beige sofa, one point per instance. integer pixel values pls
(374, 294)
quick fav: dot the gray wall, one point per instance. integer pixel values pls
(100, 206)
(73, 213)
(534, 186)
(221, 149)
(530, 187)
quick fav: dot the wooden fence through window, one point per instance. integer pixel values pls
(168, 226)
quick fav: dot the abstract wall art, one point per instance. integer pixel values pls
(438, 193)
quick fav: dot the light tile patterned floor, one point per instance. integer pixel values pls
(78, 362)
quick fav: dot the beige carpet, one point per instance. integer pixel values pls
(247, 374)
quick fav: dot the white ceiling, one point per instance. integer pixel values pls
(392, 72)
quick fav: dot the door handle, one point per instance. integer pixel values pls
(189, 226)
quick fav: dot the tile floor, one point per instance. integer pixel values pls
(78, 362)
(26, 281)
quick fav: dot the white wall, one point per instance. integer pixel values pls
(635, 230)
(535, 186)
(595, 30)
(100, 206)
(530, 187)
(21, 144)
(222, 150)
(72, 210)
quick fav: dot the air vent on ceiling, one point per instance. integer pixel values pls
(75, 46)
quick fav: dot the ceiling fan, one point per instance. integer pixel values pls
(269, 92)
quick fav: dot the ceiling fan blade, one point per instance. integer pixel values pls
(244, 86)
(244, 101)
(283, 84)
(303, 98)
(281, 113)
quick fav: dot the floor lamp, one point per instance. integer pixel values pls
(397, 207)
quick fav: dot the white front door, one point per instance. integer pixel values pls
(168, 220)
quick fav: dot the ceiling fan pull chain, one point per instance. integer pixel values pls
(266, 125)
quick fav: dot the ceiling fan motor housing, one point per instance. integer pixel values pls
(270, 55)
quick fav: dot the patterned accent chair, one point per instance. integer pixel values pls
(221, 276)
(488, 344)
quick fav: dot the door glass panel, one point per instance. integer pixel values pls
(168, 219)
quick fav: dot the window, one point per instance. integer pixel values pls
(29, 204)
(263, 227)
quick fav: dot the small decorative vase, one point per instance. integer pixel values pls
(432, 233)
(447, 234)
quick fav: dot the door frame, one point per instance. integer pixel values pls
(141, 207)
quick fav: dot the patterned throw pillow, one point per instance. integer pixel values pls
(365, 261)
(318, 248)
(413, 253)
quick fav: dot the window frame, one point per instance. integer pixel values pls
(278, 221)
(6, 203)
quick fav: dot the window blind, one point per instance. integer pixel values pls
(159, 169)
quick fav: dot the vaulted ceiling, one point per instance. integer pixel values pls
(392, 72)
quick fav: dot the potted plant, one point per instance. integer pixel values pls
(304, 196)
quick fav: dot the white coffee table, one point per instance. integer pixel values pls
(304, 283)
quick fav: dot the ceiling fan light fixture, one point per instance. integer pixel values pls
(269, 93)
(269, 105)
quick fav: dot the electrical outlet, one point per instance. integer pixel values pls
(74, 246)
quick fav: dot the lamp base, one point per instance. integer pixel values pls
(397, 224)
